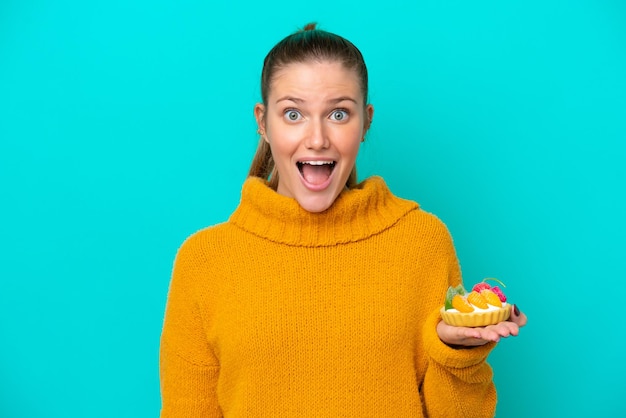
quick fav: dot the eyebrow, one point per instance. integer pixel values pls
(298, 100)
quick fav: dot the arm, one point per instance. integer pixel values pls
(188, 368)
(187, 389)
(458, 382)
(469, 376)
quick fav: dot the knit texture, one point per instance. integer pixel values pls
(280, 312)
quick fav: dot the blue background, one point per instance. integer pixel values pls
(127, 125)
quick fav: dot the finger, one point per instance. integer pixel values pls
(502, 329)
(508, 328)
(477, 336)
(513, 328)
(461, 336)
(474, 337)
(518, 317)
(469, 332)
(474, 342)
(490, 333)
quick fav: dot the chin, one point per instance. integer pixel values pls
(316, 204)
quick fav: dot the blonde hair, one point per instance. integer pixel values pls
(305, 45)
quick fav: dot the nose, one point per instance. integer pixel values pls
(317, 136)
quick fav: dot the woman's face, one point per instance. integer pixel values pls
(314, 122)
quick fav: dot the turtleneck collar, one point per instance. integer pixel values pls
(356, 214)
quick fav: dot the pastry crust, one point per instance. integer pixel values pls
(476, 319)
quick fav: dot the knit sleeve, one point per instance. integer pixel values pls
(188, 367)
(458, 382)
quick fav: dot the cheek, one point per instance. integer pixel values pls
(285, 139)
(354, 150)
(282, 146)
(350, 147)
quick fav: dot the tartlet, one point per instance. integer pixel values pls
(483, 305)
(476, 319)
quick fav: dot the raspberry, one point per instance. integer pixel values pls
(480, 286)
(499, 292)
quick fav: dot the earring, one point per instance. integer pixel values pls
(260, 132)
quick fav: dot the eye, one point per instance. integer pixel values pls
(292, 115)
(339, 115)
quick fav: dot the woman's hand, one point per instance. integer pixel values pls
(472, 337)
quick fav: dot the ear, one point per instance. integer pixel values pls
(369, 115)
(259, 115)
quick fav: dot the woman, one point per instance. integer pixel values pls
(320, 296)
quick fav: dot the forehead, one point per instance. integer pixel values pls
(316, 78)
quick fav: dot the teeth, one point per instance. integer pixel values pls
(317, 162)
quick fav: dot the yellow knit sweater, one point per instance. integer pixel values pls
(284, 313)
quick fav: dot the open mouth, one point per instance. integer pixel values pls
(316, 172)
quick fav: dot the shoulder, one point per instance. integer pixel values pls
(206, 242)
(206, 236)
(423, 231)
(195, 260)
(417, 220)
(427, 220)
